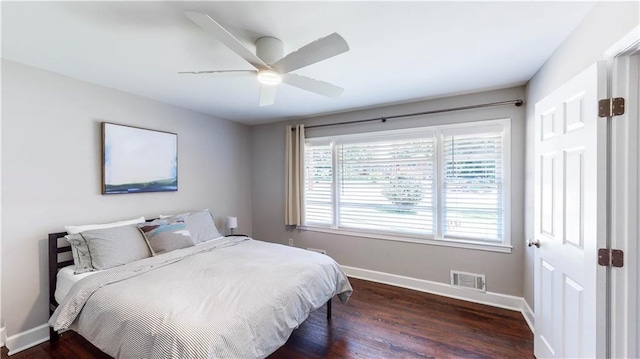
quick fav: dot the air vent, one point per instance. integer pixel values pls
(468, 280)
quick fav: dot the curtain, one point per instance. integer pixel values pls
(294, 176)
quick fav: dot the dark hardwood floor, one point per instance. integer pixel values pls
(380, 321)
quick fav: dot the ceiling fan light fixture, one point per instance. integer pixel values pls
(268, 77)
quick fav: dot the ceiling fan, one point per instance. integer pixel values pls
(272, 67)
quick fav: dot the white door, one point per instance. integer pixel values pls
(570, 219)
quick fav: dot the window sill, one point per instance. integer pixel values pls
(399, 238)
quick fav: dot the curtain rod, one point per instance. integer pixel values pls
(385, 118)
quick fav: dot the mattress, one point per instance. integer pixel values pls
(66, 279)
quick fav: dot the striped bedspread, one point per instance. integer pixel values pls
(229, 298)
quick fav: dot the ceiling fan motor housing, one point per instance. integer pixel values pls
(269, 49)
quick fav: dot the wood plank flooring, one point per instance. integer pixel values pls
(380, 321)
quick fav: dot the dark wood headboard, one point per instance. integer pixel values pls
(54, 265)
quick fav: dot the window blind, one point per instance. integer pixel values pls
(318, 185)
(439, 183)
(387, 185)
(472, 186)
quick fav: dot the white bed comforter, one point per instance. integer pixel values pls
(230, 298)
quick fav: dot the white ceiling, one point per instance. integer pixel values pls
(399, 51)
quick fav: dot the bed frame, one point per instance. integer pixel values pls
(55, 264)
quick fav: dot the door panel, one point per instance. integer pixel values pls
(573, 119)
(546, 311)
(548, 124)
(573, 312)
(573, 195)
(546, 183)
(569, 219)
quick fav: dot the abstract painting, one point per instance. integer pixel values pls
(138, 160)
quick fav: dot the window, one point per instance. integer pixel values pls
(442, 183)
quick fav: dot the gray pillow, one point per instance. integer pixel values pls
(200, 224)
(81, 255)
(166, 235)
(111, 247)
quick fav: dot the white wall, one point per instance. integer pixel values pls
(51, 173)
(428, 262)
(601, 28)
(2, 329)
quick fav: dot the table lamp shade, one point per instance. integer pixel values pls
(232, 222)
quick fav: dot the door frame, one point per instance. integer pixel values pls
(623, 80)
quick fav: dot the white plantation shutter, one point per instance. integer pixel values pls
(472, 181)
(318, 182)
(387, 185)
(439, 183)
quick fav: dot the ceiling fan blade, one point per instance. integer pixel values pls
(222, 73)
(311, 53)
(309, 84)
(267, 95)
(212, 27)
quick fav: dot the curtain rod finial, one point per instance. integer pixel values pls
(519, 103)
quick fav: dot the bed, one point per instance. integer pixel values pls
(233, 297)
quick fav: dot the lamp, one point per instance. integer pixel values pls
(232, 222)
(269, 77)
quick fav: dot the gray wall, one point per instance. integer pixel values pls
(51, 173)
(585, 46)
(429, 262)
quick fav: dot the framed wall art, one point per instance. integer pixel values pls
(138, 160)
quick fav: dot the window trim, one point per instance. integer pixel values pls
(503, 124)
(501, 248)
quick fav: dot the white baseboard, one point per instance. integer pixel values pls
(489, 298)
(2, 335)
(528, 315)
(27, 339)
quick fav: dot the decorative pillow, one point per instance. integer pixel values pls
(166, 235)
(200, 224)
(111, 247)
(81, 255)
(79, 249)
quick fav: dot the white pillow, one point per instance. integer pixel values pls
(88, 227)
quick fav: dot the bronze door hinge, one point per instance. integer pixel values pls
(610, 107)
(610, 257)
